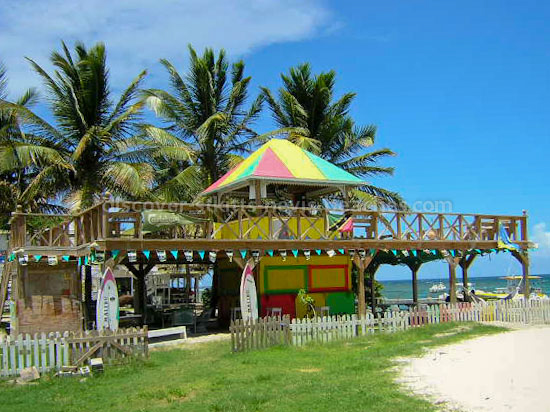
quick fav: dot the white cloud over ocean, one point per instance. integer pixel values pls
(139, 32)
(541, 235)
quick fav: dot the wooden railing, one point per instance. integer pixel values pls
(123, 220)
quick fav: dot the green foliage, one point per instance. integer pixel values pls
(92, 145)
(354, 375)
(206, 298)
(207, 123)
(318, 122)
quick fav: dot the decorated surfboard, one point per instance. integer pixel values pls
(107, 311)
(249, 296)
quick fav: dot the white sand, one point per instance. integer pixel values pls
(505, 372)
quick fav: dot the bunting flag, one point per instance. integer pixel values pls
(52, 260)
(330, 252)
(282, 253)
(362, 253)
(342, 251)
(132, 256)
(115, 253)
(394, 252)
(161, 255)
(79, 261)
(318, 251)
(434, 251)
(307, 254)
(38, 257)
(86, 260)
(453, 253)
(295, 252)
(174, 253)
(188, 255)
(201, 254)
(66, 258)
(229, 254)
(351, 253)
(270, 252)
(243, 253)
(406, 253)
(24, 260)
(256, 255)
(415, 253)
(147, 253)
(372, 252)
(11, 257)
(212, 255)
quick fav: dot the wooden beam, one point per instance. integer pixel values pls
(361, 264)
(523, 259)
(453, 262)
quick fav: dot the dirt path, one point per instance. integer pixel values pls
(504, 372)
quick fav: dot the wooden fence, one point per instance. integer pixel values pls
(298, 332)
(51, 352)
(259, 334)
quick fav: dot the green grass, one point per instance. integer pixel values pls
(356, 375)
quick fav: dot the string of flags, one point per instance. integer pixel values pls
(197, 256)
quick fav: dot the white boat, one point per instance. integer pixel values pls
(438, 287)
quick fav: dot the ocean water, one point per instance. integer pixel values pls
(402, 289)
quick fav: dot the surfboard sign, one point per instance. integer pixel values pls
(107, 309)
(249, 296)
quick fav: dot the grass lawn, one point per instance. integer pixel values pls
(340, 376)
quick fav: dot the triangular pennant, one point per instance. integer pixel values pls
(201, 254)
(11, 257)
(79, 261)
(453, 253)
(270, 252)
(212, 255)
(434, 251)
(372, 252)
(147, 253)
(342, 251)
(115, 253)
(38, 257)
(66, 258)
(86, 260)
(318, 251)
(174, 253)
(295, 252)
(414, 252)
(243, 253)
(394, 252)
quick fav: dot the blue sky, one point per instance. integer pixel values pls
(460, 90)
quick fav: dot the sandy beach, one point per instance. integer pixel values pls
(504, 372)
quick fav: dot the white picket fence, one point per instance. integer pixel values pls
(50, 352)
(329, 328)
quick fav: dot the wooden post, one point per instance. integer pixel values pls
(415, 266)
(361, 264)
(526, 285)
(452, 279)
(88, 304)
(361, 303)
(258, 190)
(465, 264)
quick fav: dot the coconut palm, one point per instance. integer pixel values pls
(207, 123)
(22, 157)
(323, 125)
(94, 135)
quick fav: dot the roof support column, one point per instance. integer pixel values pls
(465, 264)
(361, 264)
(453, 263)
(414, 267)
(523, 258)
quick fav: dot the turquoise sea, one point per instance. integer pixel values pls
(402, 289)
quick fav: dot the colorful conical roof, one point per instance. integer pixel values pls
(280, 161)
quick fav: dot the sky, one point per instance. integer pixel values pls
(460, 90)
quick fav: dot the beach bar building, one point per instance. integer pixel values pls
(283, 208)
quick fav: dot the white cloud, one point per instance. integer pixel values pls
(541, 236)
(139, 32)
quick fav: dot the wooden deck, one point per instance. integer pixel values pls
(114, 225)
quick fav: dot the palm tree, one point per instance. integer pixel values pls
(97, 138)
(22, 156)
(207, 123)
(323, 125)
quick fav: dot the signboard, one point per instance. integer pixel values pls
(107, 312)
(249, 296)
